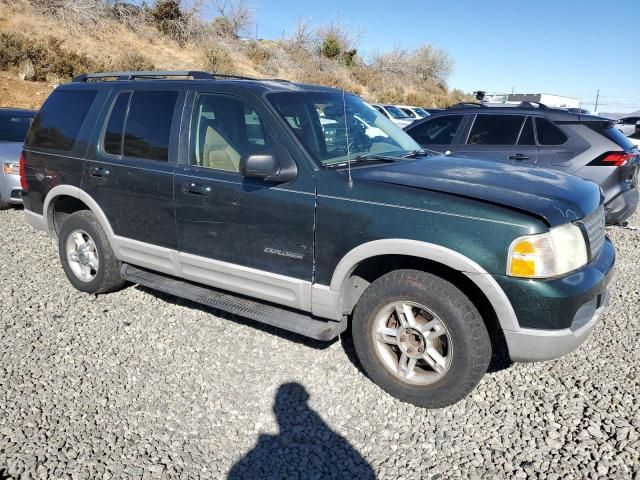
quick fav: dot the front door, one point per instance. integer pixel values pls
(242, 234)
(503, 137)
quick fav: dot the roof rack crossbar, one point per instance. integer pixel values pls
(154, 74)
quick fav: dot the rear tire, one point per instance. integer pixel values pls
(434, 348)
(86, 255)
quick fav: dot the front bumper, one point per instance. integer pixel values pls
(10, 189)
(533, 345)
(555, 316)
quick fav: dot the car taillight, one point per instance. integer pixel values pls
(614, 159)
(23, 174)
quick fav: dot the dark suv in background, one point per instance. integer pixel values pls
(584, 145)
(247, 196)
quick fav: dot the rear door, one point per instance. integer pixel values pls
(441, 133)
(504, 137)
(130, 171)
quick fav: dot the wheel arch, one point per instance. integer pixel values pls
(69, 199)
(351, 277)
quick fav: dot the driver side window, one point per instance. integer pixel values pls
(223, 130)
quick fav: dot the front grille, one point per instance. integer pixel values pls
(593, 225)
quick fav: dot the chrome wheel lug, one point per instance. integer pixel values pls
(403, 338)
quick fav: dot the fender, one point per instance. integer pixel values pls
(326, 299)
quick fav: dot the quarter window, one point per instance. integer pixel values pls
(57, 124)
(437, 131)
(148, 125)
(548, 133)
(495, 130)
(223, 130)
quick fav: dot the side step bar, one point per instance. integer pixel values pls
(300, 323)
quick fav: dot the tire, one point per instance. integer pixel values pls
(457, 345)
(105, 277)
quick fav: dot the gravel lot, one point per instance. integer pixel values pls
(141, 385)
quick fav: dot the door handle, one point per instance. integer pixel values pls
(519, 156)
(196, 189)
(101, 172)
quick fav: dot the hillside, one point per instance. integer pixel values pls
(45, 42)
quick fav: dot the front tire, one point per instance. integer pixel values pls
(86, 255)
(420, 338)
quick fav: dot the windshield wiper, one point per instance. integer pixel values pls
(417, 153)
(368, 157)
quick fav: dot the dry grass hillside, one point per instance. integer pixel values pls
(45, 42)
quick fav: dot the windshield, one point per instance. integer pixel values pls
(13, 128)
(395, 112)
(318, 120)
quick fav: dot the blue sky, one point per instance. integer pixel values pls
(568, 47)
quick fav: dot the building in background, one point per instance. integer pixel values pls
(555, 101)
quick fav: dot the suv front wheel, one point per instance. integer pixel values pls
(86, 255)
(420, 338)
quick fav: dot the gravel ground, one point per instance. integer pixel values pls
(140, 385)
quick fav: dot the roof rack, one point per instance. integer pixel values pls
(531, 105)
(154, 74)
(467, 104)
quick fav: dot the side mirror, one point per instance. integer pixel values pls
(265, 166)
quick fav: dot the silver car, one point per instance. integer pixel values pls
(14, 124)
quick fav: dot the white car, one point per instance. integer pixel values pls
(627, 125)
(394, 114)
(414, 112)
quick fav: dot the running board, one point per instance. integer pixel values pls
(262, 312)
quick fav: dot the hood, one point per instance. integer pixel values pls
(554, 196)
(10, 152)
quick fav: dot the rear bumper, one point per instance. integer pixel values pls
(533, 345)
(10, 189)
(621, 207)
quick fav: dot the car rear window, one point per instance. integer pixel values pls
(548, 133)
(58, 122)
(612, 133)
(13, 128)
(495, 130)
(148, 125)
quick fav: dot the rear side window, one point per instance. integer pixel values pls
(495, 130)
(115, 127)
(148, 125)
(548, 133)
(437, 131)
(13, 128)
(57, 124)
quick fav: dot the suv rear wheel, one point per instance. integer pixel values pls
(420, 338)
(86, 256)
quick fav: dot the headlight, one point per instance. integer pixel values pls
(10, 169)
(559, 251)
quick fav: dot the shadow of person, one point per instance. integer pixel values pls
(304, 448)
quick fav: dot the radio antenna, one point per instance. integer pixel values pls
(346, 131)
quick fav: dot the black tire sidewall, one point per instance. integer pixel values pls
(86, 221)
(471, 348)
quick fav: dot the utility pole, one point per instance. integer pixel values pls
(595, 107)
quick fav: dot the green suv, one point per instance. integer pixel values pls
(303, 207)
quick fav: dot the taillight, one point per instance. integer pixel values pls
(23, 174)
(613, 159)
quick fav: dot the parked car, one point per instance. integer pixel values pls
(14, 124)
(394, 114)
(416, 113)
(226, 192)
(627, 125)
(584, 145)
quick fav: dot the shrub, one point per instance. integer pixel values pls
(132, 61)
(330, 47)
(218, 60)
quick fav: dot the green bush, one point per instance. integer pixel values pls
(331, 47)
